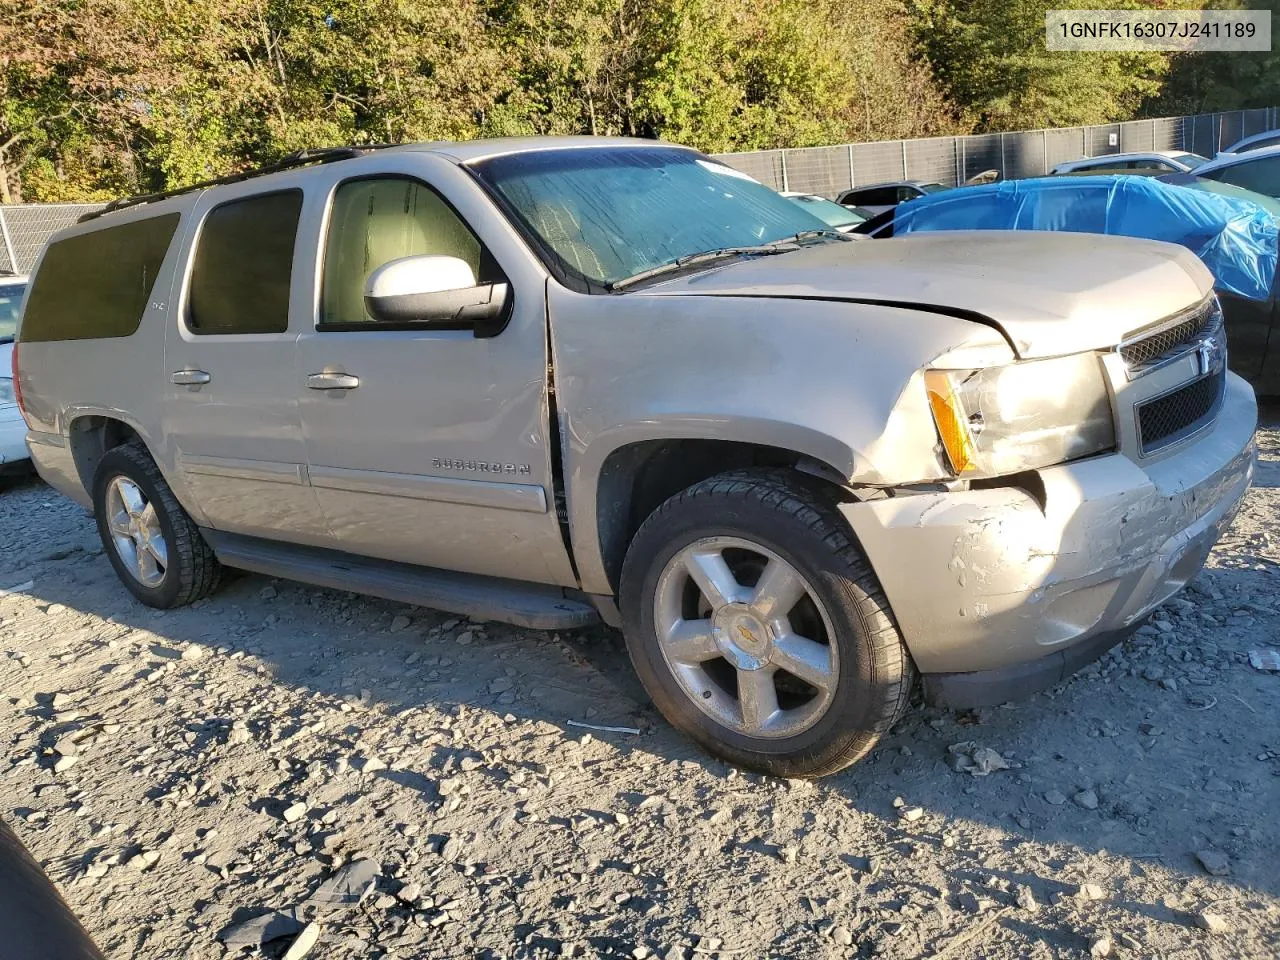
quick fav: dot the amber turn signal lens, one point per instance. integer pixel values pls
(950, 420)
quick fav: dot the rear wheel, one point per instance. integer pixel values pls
(758, 627)
(155, 548)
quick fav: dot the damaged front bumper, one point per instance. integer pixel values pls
(998, 595)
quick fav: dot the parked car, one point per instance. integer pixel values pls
(545, 380)
(1257, 170)
(1158, 161)
(13, 431)
(1251, 321)
(878, 197)
(829, 212)
(1268, 138)
(1234, 232)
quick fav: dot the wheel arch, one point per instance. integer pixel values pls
(636, 477)
(92, 433)
(90, 436)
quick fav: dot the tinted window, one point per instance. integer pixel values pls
(10, 301)
(97, 284)
(1261, 175)
(243, 263)
(376, 221)
(875, 197)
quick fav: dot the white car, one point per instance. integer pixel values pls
(1257, 170)
(1268, 138)
(13, 430)
(1160, 161)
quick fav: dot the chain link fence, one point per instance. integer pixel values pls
(25, 227)
(828, 171)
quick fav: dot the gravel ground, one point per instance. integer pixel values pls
(410, 785)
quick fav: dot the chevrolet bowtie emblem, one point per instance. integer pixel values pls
(746, 634)
(1207, 352)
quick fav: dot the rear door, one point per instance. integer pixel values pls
(231, 412)
(438, 451)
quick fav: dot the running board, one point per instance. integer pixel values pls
(533, 605)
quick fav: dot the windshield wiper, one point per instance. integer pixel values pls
(705, 257)
(803, 235)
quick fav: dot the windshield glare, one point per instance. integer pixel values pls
(829, 211)
(10, 300)
(1191, 160)
(613, 212)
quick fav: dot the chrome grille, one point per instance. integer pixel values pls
(1180, 413)
(1147, 350)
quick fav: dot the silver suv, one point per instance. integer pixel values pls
(548, 381)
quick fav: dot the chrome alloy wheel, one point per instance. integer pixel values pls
(135, 531)
(746, 637)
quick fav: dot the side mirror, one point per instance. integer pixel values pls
(436, 290)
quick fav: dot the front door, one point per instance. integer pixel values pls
(424, 445)
(231, 410)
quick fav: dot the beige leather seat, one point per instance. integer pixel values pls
(376, 221)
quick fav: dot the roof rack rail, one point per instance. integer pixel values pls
(299, 158)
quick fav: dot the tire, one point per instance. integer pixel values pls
(190, 571)
(861, 681)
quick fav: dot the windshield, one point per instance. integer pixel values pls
(1269, 204)
(1261, 175)
(10, 300)
(608, 213)
(830, 212)
(1191, 160)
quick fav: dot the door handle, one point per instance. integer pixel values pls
(189, 378)
(332, 381)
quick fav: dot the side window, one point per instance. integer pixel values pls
(243, 265)
(908, 193)
(1261, 176)
(875, 197)
(375, 221)
(97, 284)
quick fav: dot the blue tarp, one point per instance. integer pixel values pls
(1235, 238)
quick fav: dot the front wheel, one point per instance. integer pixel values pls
(758, 627)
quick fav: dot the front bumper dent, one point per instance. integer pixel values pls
(997, 596)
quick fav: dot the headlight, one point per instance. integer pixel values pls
(6, 391)
(1002, 420)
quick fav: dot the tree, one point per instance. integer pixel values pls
(1207, 82)
(991, 58)
(101, 97)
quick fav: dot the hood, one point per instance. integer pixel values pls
(1050, 293)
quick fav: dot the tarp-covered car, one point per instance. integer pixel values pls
(1234, 235)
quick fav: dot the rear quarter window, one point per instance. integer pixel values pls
(97, 285)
